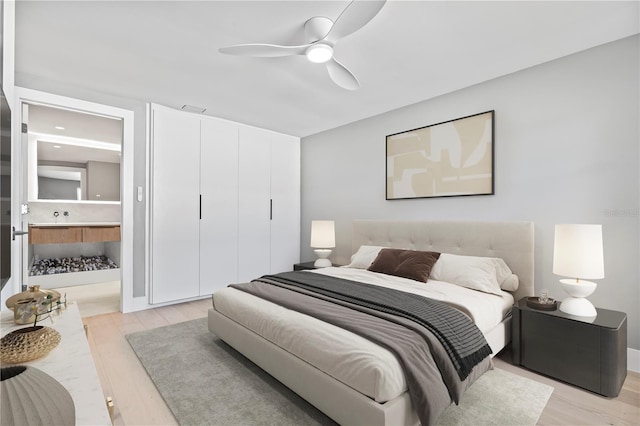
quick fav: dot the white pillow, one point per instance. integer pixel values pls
(484, 274)
(510, 284)
(364, 257)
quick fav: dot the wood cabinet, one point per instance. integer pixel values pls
(225, 204)
(72, 234)
(97, 234)
(54, 235)
(73, 240)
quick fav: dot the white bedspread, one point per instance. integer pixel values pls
(351, 359)
(486, 310)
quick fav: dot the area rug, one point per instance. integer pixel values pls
(206, 382)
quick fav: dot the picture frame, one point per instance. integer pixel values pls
(448, 159)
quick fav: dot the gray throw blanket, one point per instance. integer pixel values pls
(463, 341)
(432, 377)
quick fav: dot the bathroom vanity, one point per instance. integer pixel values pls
(51, 241)
(64, 233)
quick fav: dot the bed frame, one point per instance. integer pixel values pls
(512, 241)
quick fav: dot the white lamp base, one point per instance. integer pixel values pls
(576, 304)
(322, 261)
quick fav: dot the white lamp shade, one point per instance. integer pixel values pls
(323, 234)
(577, 251)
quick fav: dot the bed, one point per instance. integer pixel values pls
(354, 392)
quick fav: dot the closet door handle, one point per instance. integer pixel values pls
(200, 207)
(271, 209)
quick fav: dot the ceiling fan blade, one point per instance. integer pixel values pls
(264, 50)
(342, 76)
(355, 16)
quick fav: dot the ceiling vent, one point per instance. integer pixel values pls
(191, 108)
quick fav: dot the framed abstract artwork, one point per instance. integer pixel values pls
(448, 159)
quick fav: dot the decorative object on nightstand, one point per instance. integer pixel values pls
(577, 253)
(589, 352)
(32, 397)
(27, 304)
(28, 343)
(323, 239)
(538, 303)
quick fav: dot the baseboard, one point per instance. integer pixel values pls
(142, 303)
(633, 360)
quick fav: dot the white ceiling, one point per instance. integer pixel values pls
(167, 52)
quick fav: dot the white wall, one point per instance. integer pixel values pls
(566, 151)
(96, 211)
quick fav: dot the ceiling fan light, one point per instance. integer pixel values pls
(319, 53)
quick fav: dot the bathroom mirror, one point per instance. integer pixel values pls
(73, 156)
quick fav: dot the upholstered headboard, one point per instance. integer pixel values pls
(511, 241)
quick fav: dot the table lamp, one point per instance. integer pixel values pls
(323, 239)
(577, 253)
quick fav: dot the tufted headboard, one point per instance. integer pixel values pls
(511, 241)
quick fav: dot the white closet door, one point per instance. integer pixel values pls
(254, 204)
(174, 205)
(285, 193)
(219, 220)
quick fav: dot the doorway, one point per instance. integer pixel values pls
(73, 178)
(76, 172)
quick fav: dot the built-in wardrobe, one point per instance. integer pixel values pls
(224, 203)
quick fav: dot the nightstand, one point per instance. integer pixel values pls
(587, 352)
(303, 266)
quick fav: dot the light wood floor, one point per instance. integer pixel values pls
(137, 402)
(94, 299)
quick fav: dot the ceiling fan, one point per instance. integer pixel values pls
(322, 34)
